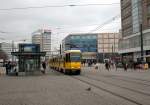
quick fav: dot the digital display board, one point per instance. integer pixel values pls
(29, 48)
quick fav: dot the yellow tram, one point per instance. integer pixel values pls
(69, 62)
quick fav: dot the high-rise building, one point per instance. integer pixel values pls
(43, 37)
(135, 16)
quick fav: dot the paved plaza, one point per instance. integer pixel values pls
(55, 88)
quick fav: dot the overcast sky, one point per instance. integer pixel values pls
(61, 20)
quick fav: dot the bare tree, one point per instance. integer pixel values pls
(3, 55)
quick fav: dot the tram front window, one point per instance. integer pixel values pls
(75, 57)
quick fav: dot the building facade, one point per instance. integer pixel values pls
(43, 37)
(135, 16)
(107, 45)
(7, 48)
(86, 42)
(95, 46)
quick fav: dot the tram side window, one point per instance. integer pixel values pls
(67, 57)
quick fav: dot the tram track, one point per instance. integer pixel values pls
(131, 81)
(108, 91)
(123, 94)
(116, 85)
(142, 80)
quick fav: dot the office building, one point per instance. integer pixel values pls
(107, 45)
(95, 46)
(43, 37)
(86, 42)
(135, 16)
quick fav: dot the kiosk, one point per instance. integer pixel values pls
(29, 57)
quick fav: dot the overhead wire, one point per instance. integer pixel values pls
(115, 17)
(105, 23)
(47, 6)
(3, 32)
(54, 6)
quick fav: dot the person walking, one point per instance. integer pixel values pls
(134, 65)
(96, 66)
(8, 67)
(107, 66)
(125, 66)
(44, 67)
(115, 65)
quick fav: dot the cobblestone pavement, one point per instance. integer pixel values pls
(54, 88)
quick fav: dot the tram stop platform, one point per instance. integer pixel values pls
(29, 59)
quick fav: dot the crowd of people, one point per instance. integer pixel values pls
(88, 62)
(125, 65)
(10, 67)
(109, 64)
(112, 64)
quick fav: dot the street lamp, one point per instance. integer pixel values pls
(141, 38)
(103, 55)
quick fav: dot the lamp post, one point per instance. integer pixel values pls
(60, 49)
(103, 55)
(12, 50)
(112, 52)
(141, 38)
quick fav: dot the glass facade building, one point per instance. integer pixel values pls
(86, 43)
(83, 42)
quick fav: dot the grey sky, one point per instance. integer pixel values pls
(64, 20)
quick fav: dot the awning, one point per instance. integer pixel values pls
(28, 53)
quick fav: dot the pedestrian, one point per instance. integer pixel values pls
(8, 67)
(96, 66)
(107, 66)
(125, 66)
(83, 63)
(115, 65)
(44, 67)
(89, 63)
(134, 65)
